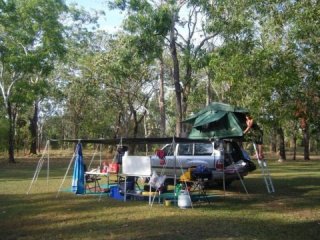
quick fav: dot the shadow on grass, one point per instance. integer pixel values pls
(41, 216)
(292, 212)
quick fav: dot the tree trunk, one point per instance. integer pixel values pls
(11, 138)
(306, 141)
(282, 150)
(185, 93)
(176, 77)
(294, 147)
(208, 91)
(161, 101)
(39, 138)
(136, 124)
(118, 126)
(273, 141)
(34, 129)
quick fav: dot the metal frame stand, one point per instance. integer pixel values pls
(39, 166)
(69, 166)
(234, 167)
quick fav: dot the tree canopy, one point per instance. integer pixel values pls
(62, 77)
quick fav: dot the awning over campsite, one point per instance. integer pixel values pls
(120, 141)
(217, 120)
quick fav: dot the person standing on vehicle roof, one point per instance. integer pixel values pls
(255, 134)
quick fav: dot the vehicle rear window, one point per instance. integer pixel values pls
(203, 149)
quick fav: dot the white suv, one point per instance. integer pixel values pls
(216, 157)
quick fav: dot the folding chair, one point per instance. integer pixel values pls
(92, 182)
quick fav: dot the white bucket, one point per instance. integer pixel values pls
(184, 200)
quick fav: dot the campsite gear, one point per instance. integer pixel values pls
(161, 155)
(186, 176)
(78, 185)
(184, 200)
(222, 121)
(167, 203)
(115, 193)
(201, 172)
(265, 172)
(104, 167)
(113, 168)
(92, 182)
(234, 167)
(178, 189)
(217, 120)
(45, 152)
(148, 193)
(129, 184)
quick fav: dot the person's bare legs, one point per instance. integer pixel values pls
(260, 153)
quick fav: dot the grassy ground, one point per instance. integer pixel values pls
(293, 212)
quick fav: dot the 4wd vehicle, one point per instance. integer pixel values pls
(216, 157)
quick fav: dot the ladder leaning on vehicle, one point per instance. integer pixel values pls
(264, 171)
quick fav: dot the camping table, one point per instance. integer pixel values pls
(96, 179)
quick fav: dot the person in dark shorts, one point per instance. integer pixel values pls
(254, 133)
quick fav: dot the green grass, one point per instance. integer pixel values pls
(293, 212)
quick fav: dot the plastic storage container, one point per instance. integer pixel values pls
(184, 200)
(115, 193)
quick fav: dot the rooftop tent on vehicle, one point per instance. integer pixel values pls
(217, 120)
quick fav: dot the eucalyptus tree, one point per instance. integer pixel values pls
(78, 95)
(3, 132)
(290, 34)
(128, 82)
(248, 64)
(274, 68)
(304, 34)
(75, 32)
(31, 39)
(179, 26)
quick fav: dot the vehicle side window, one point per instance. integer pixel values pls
(185, 149)
(168, 150)
(203, 149)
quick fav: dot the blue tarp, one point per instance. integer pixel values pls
(78, 186)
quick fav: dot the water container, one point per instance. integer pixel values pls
(184, 200)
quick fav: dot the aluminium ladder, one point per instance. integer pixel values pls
(265, 172)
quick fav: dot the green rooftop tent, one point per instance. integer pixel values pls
(218, 121)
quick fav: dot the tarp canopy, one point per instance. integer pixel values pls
(120, 141)
(217, 120)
